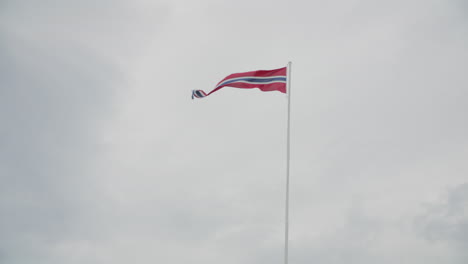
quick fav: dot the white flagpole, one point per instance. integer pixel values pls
(286, 228)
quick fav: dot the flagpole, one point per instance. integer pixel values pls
(286, 227)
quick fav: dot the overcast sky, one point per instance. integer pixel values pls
(104, 158)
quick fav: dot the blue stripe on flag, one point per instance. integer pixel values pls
(254, 80)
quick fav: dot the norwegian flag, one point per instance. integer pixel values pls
(269, 80)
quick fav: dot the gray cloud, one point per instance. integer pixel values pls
(51, 104)
(55, 95)
(447, 222)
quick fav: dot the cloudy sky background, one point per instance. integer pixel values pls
(105, 159)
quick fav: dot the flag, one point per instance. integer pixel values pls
(270, 80)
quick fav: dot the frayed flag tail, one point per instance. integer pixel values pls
(198, 94)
